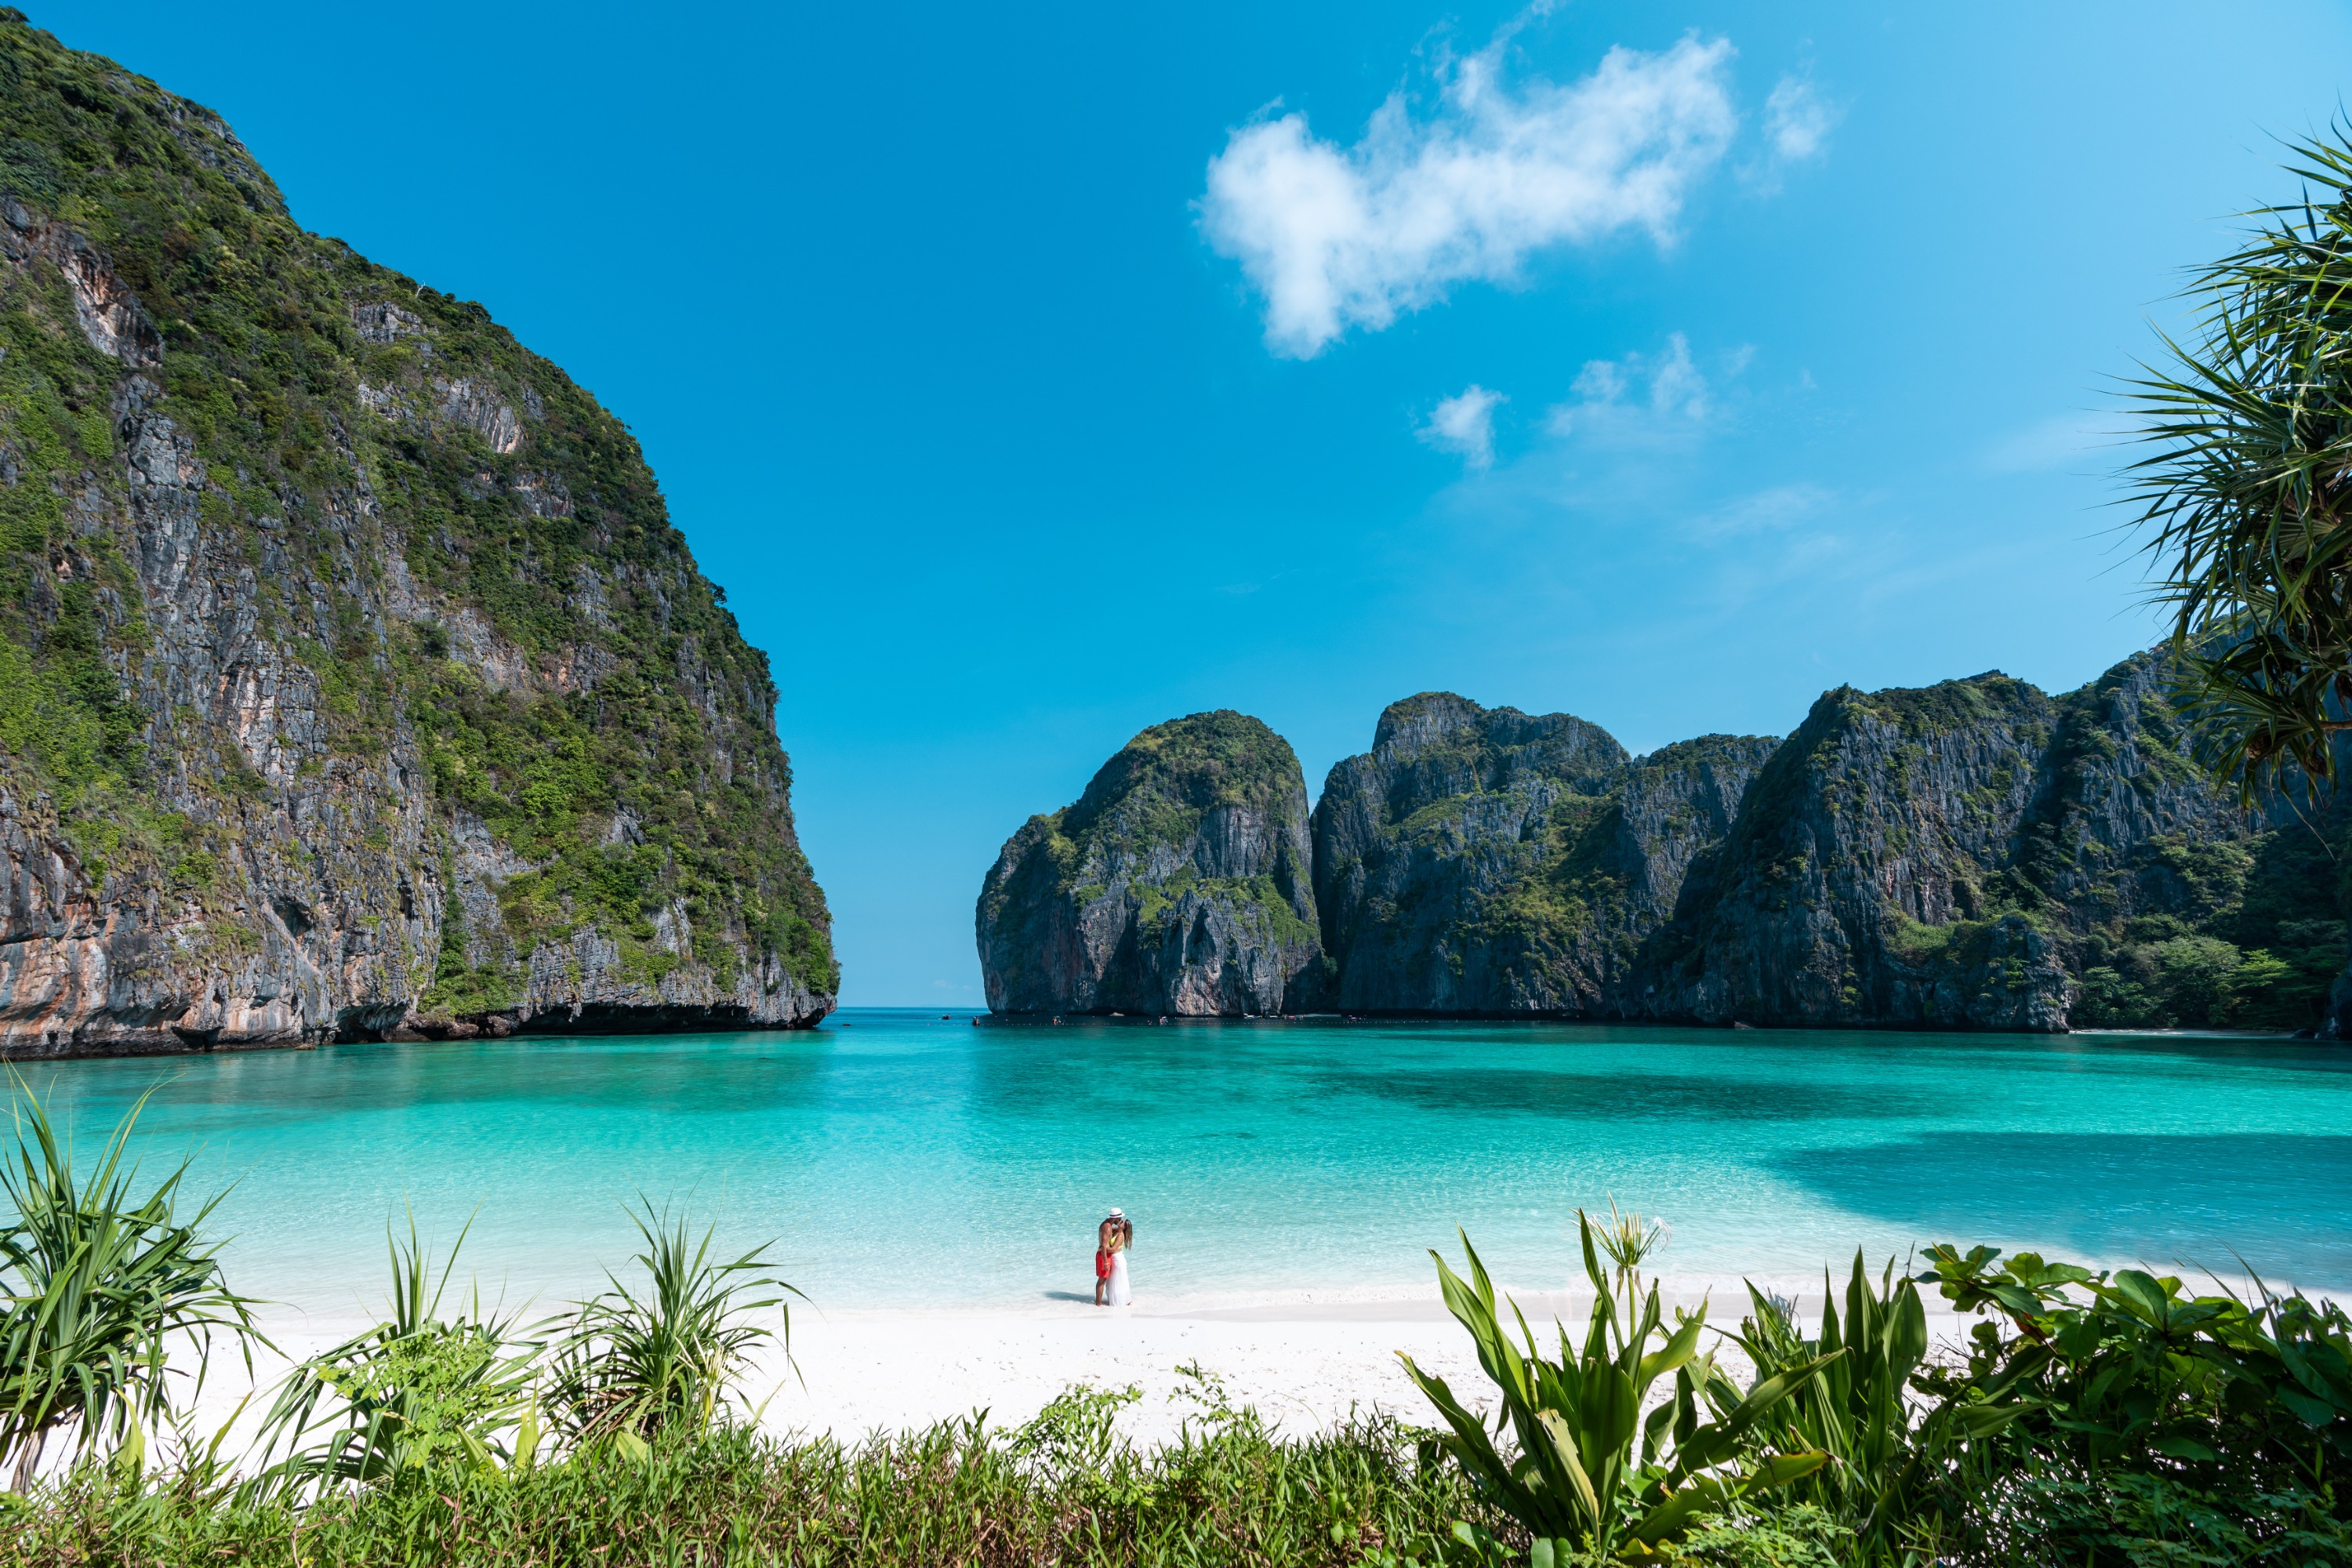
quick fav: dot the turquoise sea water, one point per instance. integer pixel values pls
(907, 1161)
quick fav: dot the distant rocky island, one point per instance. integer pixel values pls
(1974, 855)
(354, 682)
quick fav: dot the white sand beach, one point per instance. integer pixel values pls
(1304, 1369)
(1306, 1366)
(854, 1373)
(1305, 1363)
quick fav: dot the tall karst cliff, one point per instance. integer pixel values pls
(353, 681)
(1484, 861)
(1979, 854)
(1971, 855)
(1178, 883)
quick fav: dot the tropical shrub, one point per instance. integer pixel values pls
(1891, 1452)
(417, 1390)
(1578, 1481)
(631, 1365)
(2244, 496)
(2146, 1410)
(98, 1286)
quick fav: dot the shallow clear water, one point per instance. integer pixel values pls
(907, 1161)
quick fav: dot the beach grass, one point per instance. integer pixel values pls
(1054, 1492)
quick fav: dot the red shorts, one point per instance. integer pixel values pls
(1102, 1265)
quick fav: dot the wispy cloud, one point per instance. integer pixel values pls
(1658, 391)
(2057, 442)
(1638, 437)
(1464, 424)
(1797, 121)
(1337, 237)
(1776, 508)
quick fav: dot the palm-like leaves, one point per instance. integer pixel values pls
(1577, 1480)
(97, 1285)
(417, 1389)
(2246, 498)
(629, 1365)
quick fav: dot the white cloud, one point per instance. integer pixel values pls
(1464, 424)
(1337, 237)
(1678, 391)
(1796, 122)
(1677, 386)
(1601, 381)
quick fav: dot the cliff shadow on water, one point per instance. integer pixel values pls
(1973, 855)
(353, 681)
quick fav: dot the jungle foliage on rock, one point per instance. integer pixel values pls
(423, 549)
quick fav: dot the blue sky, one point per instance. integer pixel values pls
(1027, 380)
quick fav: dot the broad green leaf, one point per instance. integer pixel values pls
(1673, 1353)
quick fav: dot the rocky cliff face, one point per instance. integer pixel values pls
(1971, 855)
(1948, 855)
(354, 682)
(1178, 883)
(1979, 855)
(1484, 861)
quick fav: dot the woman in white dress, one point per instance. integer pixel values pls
(1122, 1237)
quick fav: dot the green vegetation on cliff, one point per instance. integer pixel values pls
(1154, 793)
(1178, 881)
(2245, 930)
(1971, 854)
(446, 543)
(1156, 789)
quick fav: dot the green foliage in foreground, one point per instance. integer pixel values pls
(97, 1284)
(1062, 1490)
(1577, 1480)
(417, 1391)
(2093, 1418)
(633, 1364)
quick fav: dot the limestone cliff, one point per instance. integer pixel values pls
(1971, 855)
(1178, 883)
(1488, 862)
(352, 680)
(1976, 854)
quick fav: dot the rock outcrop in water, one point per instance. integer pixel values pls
(1971, 855)
(1178, 883)
(354, 682)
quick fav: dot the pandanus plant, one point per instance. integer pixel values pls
(97, 1284)
(2245, 493)
(1585, 1471)
(628, 1365)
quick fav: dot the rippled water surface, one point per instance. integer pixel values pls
(907, 1160)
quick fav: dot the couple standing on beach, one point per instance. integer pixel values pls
(1112, 1239)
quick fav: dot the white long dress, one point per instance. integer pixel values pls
(1116, 1294)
